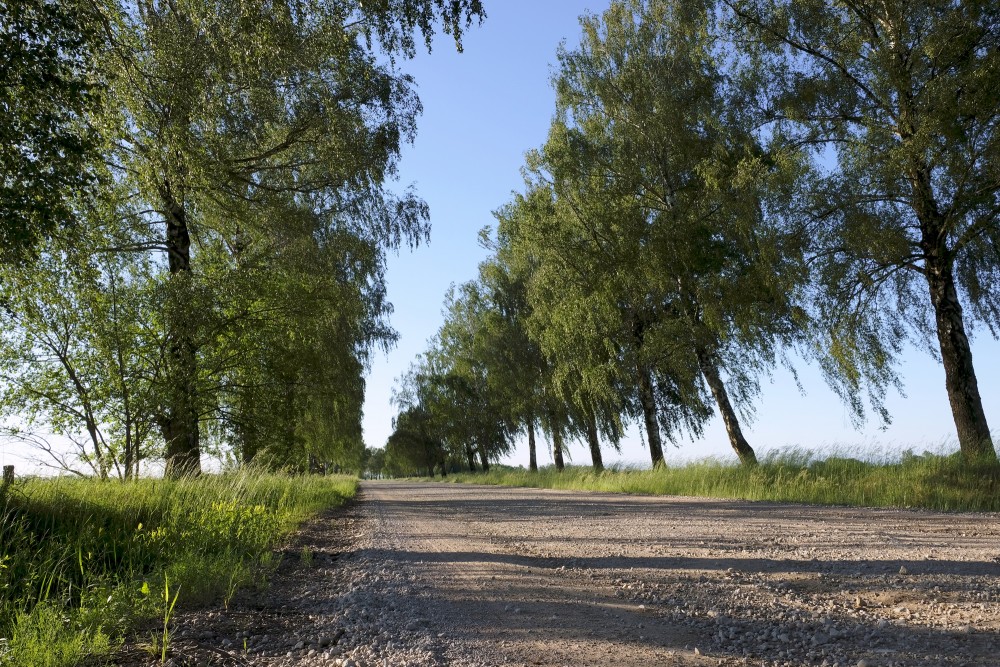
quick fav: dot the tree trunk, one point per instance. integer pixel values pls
(648, 402)
(130, 453)
(711, 372)
(482, 458)
(131, 443)
(974, 437)
(471, 456)
(557, 449)
(532, 450)
(595, 443)
(180, 423)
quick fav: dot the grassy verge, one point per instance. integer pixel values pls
(83, 562)
(928, 481)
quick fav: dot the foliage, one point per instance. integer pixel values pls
(221, 288)
(412, 448)
(374, 465)
(47, 145)
(662, 190)
(82, 562)
(723, 183)
(78, 358)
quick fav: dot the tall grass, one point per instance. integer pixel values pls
(82, 561)
(929, 481)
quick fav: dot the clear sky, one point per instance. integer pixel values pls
(482, 110)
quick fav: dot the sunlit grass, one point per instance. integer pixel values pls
(931, 481)
(83, 561)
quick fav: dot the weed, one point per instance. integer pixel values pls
(168, 612)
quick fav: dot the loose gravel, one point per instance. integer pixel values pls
(431, 574)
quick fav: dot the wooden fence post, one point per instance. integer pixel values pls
(8, 479)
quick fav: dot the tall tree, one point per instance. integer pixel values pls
(517, 369)
(666, 177)
(412, 447)
(226, 111)
(580, 309)
(899, 101)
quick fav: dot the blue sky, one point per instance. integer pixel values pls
(482, 110)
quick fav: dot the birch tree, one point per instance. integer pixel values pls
(898, 100)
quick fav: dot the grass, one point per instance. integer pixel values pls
(930, 481)
(83, 563)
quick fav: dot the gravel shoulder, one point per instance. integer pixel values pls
(435, 574)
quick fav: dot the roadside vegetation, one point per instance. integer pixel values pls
(929, 481)
(84, 563)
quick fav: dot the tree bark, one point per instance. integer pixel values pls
(130, 454)
(974, 437)
(711, 372)
(557, 449)
(532, 449)
(595, 443)
(648, 401)
(483, 460)
(471, 457)
(179, 424)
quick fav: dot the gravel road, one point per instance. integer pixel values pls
(435, 574)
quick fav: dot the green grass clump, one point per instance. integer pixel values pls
(83, 562)
(930, 481)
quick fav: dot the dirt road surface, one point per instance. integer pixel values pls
(435, 574)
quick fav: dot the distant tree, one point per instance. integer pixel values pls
(901, 98)
(526, 247)
(516, 369)
(412, 447)
(292, 347)
(583, 312)
(374, 464)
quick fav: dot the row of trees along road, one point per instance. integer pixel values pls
(725, 183)
(195, 215)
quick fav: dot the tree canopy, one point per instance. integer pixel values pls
(241, 156)
(727, 186)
